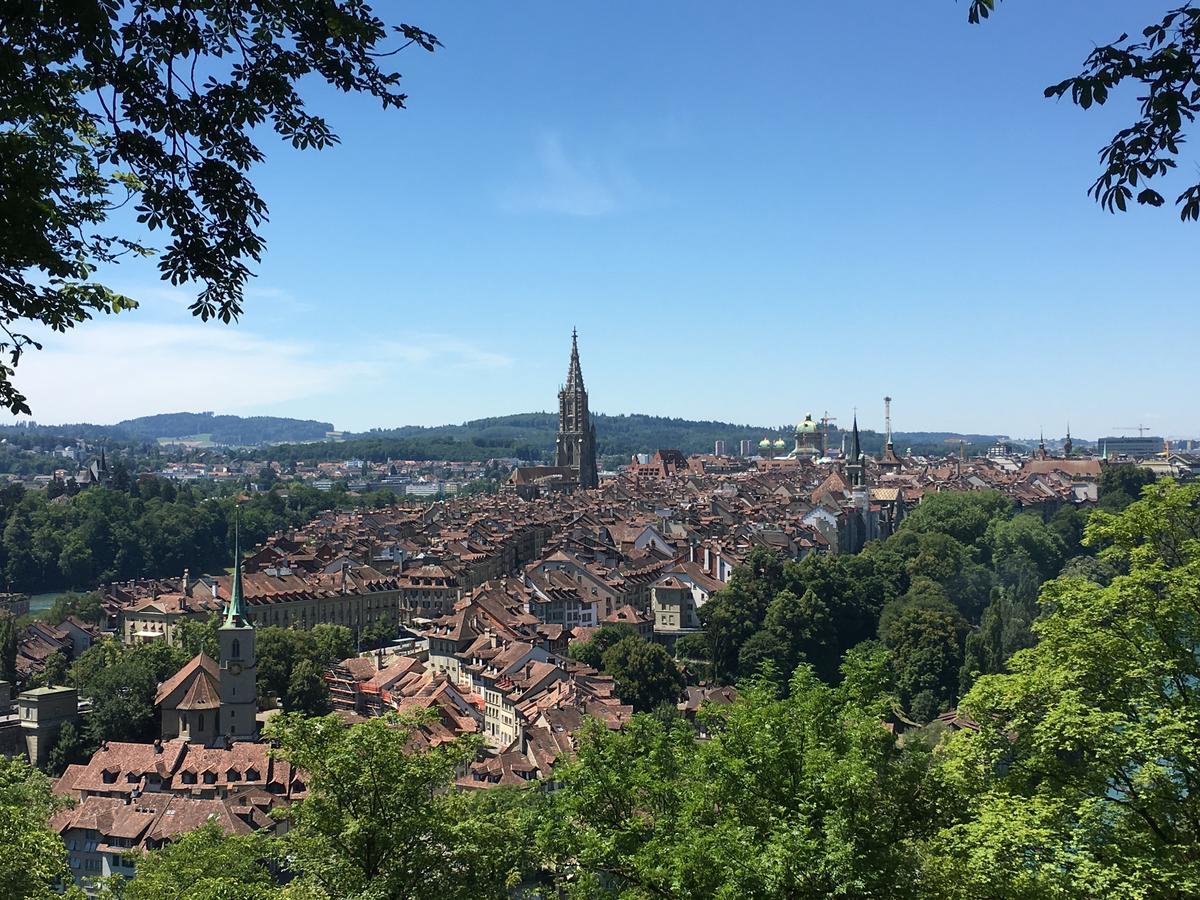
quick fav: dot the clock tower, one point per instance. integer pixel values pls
(238, 664)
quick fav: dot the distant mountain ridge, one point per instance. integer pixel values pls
(527, 436)
(530, 436)
(236, 431)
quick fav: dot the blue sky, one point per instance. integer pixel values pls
(750, 212)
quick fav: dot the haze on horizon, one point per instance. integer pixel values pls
(757, 214)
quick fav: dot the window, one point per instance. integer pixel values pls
(236, 649)
(200, 722)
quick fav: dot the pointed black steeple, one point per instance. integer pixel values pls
(856, 469)
(575, 447)
(574, 372)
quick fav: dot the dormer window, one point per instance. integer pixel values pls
(252, 775)
(189, 778)
(210, 777)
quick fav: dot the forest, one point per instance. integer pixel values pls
(146, 527)
(237, 431)
(1077, 778)
(950, 596)
(530, 436)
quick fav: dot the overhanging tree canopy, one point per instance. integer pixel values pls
(105, 103)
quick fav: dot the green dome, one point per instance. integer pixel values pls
(808, 426)
(780, 442)
(764, 443)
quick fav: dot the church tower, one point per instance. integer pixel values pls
(855, 468)
(889, 462)
(238, 666)
(575, 446)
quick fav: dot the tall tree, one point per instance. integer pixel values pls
(160, 105)
(8, 647)
(645, 674)
(34, 856)
(205, 864)
(121, 683)
(801, 796)
(377, 820)
(1082, 779)
(591, 652)
(307, 692)
(927, 652)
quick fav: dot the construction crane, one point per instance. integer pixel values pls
(1140, 429)
(825, 420)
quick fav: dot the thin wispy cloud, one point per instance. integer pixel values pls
(259, 299)
(571, 183)
(446, 351)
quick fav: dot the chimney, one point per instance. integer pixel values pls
(183, 584)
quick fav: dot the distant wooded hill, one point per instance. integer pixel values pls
(527, 436)
(530, 436)
(235, 431)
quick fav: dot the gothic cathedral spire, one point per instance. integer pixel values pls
(855, 469)
(575, 447)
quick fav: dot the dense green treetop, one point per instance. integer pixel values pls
(34, 856)
(205, 864)
(1083, 778)
(646, 676)
(806, 796)
(378, 822)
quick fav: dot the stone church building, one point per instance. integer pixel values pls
(216, 699)
(575, 446)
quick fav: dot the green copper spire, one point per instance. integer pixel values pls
(236, 614)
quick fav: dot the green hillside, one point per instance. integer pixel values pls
(530, 436)
(236, 431)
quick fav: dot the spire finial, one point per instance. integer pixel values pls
(235, 615)
(574, 373)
